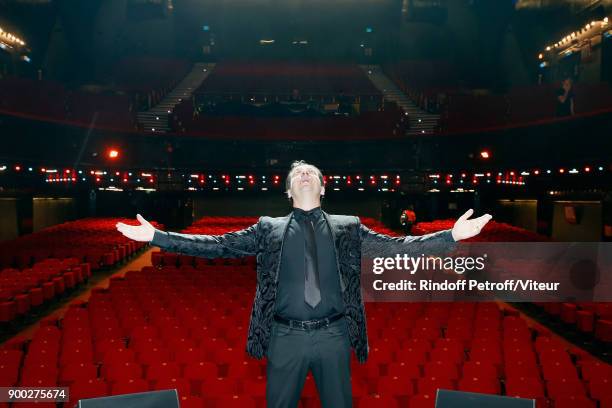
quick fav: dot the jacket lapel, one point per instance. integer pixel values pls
(335, 233)
(280, 231)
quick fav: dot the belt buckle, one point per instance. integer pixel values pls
(309, 324)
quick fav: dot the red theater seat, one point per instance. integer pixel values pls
(430, 385)
(423, 401)
(219, 387)
(395, 386)
(121, 372)
(191, 402)
(441, 369)
(480, 385)
(605, 402)
(236, 401)
(603, 330)
(182, 385)
(129, 386)
(600, 388)
(163, 370)
(573, 401)
(378, 401)
(76, 371)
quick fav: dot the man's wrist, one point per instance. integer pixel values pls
(160, 238)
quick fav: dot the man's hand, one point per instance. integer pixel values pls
(143, 232)
(464, 228)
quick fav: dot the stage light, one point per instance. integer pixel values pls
(17, 168)
(587, 169)
(113, 154)
(485, 154)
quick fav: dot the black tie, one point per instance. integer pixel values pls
(312, 288)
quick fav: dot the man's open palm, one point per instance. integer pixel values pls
(464, 228)
(143, 232)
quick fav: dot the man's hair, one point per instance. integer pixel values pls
(294, 165)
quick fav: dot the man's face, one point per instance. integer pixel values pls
(305, 182)
(567, 83)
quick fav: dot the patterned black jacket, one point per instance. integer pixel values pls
(265, 241)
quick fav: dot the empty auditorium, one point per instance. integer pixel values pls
(306, 204)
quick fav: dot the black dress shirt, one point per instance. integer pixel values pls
(290, 302)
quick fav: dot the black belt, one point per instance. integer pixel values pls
(308, 324)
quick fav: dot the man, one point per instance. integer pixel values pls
(308, 311)
(565, 99)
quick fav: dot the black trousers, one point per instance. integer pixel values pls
(293, 352)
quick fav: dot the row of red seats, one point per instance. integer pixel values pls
(51, 100)
(466, 112)
(589, 317)
(368, 125)
(22, 290)
(92, 240)
(284, 78)
(592, 318)
(433, 85)
(493, 232)
(42, 266)
(142, 82)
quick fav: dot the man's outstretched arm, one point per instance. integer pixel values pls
(436, 243)
(231, 245)
(374, 244)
